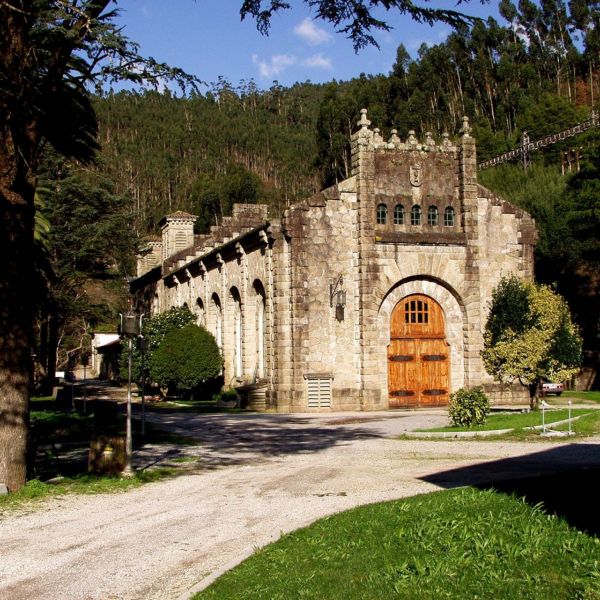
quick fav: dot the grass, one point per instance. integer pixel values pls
(36, 490)
(519, 420)
(583, 396)
(65, 472)
(195, 406)
(463, 543)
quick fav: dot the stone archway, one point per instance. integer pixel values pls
(455, 322)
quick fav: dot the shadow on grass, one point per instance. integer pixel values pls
(562, 479)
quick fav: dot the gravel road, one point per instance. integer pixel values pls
(264, 475)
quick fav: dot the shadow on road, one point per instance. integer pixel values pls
(563, 479)
(242, 439)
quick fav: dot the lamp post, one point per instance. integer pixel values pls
(85, 361)
(130, 327)
(143, 346)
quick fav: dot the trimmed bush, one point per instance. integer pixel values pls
(154, 330)
(469, 407)
(185, 359)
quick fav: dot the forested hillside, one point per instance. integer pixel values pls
(537, 72)
(164, 151)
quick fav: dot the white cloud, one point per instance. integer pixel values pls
(275, 65)
(317, 61)
(310, 33)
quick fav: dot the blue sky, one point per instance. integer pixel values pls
(207, 39)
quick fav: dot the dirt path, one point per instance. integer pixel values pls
(264, 476)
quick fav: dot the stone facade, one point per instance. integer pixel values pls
(301, 306)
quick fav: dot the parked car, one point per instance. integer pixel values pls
(549, 388)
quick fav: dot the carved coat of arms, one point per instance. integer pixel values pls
(416, 175)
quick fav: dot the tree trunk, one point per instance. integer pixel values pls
(16, 331)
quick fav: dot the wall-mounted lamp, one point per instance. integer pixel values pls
(337, 292)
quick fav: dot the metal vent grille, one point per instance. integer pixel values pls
(319, 392)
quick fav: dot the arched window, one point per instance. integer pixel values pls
(237, 333)
(432, 215)
(200, 312)
(260, 329)
(449, 217)
(415, 215)
(218, 320)
(399, 214)
(381, 214)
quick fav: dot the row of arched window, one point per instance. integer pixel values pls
(416, 215)
(216, 327)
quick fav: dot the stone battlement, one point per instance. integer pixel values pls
(179, 245)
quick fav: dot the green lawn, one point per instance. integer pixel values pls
(82, 483)
(459, 544)
(519, 420)
(61, 467)
(581, 396)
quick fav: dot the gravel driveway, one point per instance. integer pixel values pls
(265, 474)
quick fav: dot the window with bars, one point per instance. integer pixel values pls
(432, 215)
(415, 215)
(416, 311)
(399, 214)
(318, 392)
(449, 217)
(381, 214)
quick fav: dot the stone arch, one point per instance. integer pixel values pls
(217, 319)
(200, 312)
(237, 329)
(455, 317)
(260, 328)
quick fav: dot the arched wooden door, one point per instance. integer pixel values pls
(418, 354)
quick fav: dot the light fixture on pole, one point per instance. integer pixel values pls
(130, 327)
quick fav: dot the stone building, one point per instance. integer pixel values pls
(369, 295)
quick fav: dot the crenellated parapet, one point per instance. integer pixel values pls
(366, 139)
(179, 245)
(149, 257)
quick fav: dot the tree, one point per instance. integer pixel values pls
(354, 18)
(51, 52)
(154, 330)
(529, 335)
(185, 359)
(89, 247)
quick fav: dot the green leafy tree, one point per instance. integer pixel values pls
(154, 330)
(185, 359)
(529, 335)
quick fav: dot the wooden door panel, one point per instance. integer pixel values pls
(433, 372)
(402, 373)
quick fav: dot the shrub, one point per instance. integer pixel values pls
(469, 407)
(154, 330)
(185, 359)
